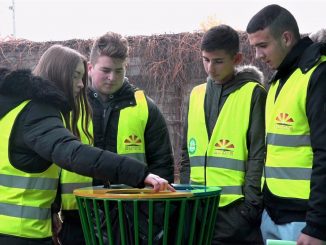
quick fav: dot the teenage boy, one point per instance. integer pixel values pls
(224, 137)
(294, 186)
(125, 120)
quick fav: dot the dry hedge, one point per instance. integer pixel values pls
(164, 62)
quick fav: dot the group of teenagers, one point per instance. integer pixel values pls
(73, 123)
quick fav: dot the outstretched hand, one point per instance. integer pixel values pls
(158, 183)
(308, 240)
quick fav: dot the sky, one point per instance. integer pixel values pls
(57, 20)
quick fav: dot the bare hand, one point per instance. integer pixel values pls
(308, 240)
(158, 183)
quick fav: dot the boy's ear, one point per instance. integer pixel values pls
(89, 67)
(287, 39)
(238, 58)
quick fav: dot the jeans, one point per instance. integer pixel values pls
(288, 231)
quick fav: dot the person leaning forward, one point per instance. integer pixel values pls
(36, 131)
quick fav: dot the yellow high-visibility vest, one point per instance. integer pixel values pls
(131, 129)
(289, 153)
(224, 156)
(26, 198)
(70, 181)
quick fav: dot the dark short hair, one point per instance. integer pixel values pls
(221, 37)
(277, 18)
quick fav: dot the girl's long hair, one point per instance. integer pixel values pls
(58, 64)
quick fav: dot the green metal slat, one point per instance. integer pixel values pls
(202, 230)
(83, 219)
(108, 221)
(166, 222)
(121, 223)
(136, 224)
(181, 221)
(97, 222)
(214, 216)
(193, 222)
(90, 219)
(150, 222)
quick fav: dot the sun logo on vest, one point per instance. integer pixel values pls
(133, 143)
(224, 147)
(284, 121)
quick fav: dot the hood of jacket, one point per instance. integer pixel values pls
(242, 75)
(20, 85)
(249, 73)
(318, 36)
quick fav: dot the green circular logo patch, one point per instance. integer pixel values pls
(192, 146)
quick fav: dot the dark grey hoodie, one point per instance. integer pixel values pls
(216, 95)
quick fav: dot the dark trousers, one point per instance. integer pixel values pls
(71, 233)
(237, 225)
(11, 240)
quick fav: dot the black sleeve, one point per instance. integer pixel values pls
(185, 162)
(256, 148)
(158, 147)
(316, 113)
(45, 134)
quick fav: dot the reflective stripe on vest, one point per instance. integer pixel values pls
(226, 153)
(26, 198)
(289, 153)
(131, 129)
(288, 140)
(70, 181)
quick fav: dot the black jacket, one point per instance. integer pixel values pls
(39, 138)
(215, 97)
(158, 148)
(304, 55)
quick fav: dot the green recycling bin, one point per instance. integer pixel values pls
(128, 216)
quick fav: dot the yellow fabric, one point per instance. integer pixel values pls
(68, 179)
(24, 193)
(227, 144)
(131, 129)
(286, 118)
